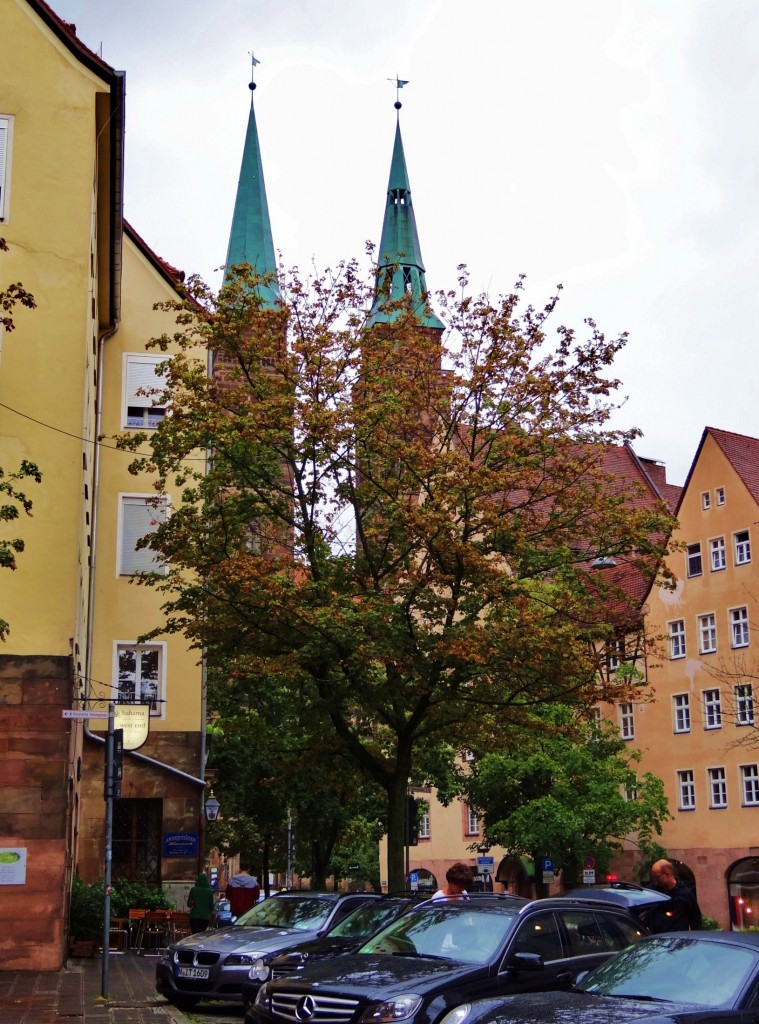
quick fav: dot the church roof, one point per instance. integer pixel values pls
(250, 239)
(399, 264)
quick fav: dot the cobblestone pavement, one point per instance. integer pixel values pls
(72, 995)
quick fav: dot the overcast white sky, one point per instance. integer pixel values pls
(611, 145)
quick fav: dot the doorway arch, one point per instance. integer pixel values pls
(743, 894)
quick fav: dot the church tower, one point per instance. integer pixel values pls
(400, 269)
(250, 238)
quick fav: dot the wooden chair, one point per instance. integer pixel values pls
(136, 919)
(119, 935)
(153, 932)
(179, 925)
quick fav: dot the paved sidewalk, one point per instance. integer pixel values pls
(72, 996)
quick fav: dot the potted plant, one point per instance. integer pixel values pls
(86, 917)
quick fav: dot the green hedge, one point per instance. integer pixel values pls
(88, 903)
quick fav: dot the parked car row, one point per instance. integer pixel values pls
(361, 958)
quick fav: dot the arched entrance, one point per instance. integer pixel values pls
(422, 879)
(516, 875)
(743, 894)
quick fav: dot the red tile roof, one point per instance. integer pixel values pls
(742, 453)
(174, 276)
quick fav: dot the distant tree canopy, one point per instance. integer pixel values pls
(13, 501)
(566, 789)
(401, 550)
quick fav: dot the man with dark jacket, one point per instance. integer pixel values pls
(683, 913)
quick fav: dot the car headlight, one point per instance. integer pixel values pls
(259, 971)
(263, 995)
(391, 1009)
(241, 959)
(457, 1015)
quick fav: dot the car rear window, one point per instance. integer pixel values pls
(299, 914)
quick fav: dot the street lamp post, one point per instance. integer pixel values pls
(212, 808)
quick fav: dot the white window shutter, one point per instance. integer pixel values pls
(143, 373)
(3, 162)
(138, 519)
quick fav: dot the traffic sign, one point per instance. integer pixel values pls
(67, 713)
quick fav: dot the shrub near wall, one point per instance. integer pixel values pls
(88, 904)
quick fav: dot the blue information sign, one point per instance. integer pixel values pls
(180, 844)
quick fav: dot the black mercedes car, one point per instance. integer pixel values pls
(345, 937)
(446, 952)
(215, 964)
(675, 978)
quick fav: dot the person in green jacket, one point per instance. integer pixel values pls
(200, 902)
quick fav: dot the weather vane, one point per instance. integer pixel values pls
(399, 83)
(253, 63)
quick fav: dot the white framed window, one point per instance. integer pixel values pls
(677, 638)
(707, 634)
(750, 784)
(744, 704)
(472, 822)
(742, 544)
(712, 702)
(140, 673)
(718, 558)
(686, 791)
(739, 626)
(631, 794)
(717, 787)
(469, 757)
(615, 654)
(695, 567)
(681, 712)
(626, 721)
(706, 500)
(6, 139)
(143, 406)
(424, 825)
(139, 515)
(720, 493)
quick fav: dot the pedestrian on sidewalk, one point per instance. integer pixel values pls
(200, 902)
(242, 892)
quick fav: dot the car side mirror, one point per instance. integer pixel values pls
(526, 962)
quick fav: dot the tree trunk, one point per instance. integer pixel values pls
(397, 795)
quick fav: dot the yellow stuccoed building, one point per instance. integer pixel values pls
(699, 733)
(73, 371)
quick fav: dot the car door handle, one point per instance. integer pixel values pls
(564, 977)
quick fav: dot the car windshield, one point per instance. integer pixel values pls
(678, 969)
(367, 920)
(453, 931)
(299, 914)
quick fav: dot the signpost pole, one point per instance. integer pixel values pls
(108, 850)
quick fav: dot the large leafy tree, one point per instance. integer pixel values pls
(278, 779)
(13, 500)
(403, 550)
(567, 789)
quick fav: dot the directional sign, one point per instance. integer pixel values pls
(83, 714)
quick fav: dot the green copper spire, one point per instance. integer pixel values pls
(399, 248)
(250, 240)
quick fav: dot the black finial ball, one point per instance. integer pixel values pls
(397, 104)
(252, 86)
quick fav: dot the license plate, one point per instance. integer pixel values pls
(201, 973)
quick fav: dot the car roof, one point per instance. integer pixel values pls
(627, 896)
(734, 938)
